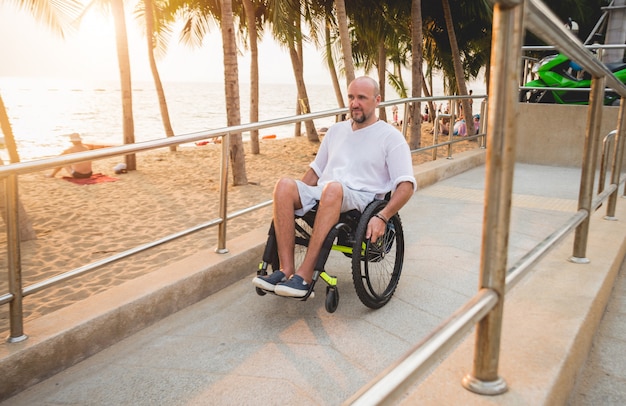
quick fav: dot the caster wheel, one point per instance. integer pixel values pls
(260, 292)
(332, 299)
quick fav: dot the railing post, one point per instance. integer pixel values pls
(405, 119)
(452, 104)
(585, 197)
(617, 159)
(505, 55)
(607, 142)
(483, 124)
(223, 211)
(16, 314)
(435, 136)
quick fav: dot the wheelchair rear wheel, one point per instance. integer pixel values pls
(376, 267)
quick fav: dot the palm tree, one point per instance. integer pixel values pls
(196, 17)
(458, 67)
(57, 16)
(116, 8)
(381, 35)
(231, 87)
(473, 34)
(344, 36)
(123, 60)
(286, 26)
(250, 11)
(154, 39)
(25, 226)
(415, 138)
(330, 60)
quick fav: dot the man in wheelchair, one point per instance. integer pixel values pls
(359, 160)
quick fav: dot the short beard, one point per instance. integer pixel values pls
(360, 120)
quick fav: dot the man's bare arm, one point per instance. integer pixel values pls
(376, 227)
(400, 196)
(310, 177)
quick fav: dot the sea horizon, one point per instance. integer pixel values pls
(42, 111)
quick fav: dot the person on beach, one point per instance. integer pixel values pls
(359, 160)
(78, 170)
(460, 128)
(394, 110)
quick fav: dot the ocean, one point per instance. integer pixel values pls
(43, 111)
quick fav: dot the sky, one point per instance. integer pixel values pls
(27, 49)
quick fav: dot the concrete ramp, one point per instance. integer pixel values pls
(227, 345)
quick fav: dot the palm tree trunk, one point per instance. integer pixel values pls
(165, 115)
(250, 10)
(27, 232)
(303, 97)
(117, 9)
(332, 69)
(9, 139)
(458, 68)
(431, 106)
(344, 36)
(231, 84)
(25, 225)
(415, 138)
(382, 74)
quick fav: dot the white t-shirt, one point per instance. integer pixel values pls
(373, 159)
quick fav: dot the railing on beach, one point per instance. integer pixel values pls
(485, 309)
(10, 173)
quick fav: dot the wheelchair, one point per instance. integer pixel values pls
(376, 267)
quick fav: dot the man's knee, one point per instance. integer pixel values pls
(285, 186)
(332, 192)
(286, 191)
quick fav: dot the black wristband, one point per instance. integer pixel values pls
(380, 216)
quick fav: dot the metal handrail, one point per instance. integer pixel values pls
(390, 385)
(484, 379)
(607, 142)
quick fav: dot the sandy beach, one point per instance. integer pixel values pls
(168, 193)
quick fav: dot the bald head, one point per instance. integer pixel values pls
(368, 82)
(363, 98)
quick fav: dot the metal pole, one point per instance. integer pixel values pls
(452, 104)
(483, 124)
(502, 127)
(617, 159)
(585, 196)
(16, 314)
(405, 120)
(435, 136)
(223, 211)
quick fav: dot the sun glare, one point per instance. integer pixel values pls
(96, 28)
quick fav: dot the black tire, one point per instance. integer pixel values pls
(376, 268)
(332, 299)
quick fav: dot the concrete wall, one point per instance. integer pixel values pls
(554, 134)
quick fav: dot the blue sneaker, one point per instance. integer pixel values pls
(269, 282)
(293, 287)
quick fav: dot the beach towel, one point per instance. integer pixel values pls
(95, 178)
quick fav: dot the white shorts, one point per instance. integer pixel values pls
(352, 199)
